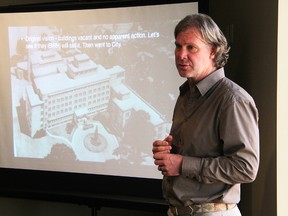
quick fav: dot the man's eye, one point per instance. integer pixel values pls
(191, 48)
(177, 46)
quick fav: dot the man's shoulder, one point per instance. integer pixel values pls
(234, 91)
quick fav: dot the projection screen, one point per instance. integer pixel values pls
(87, 91)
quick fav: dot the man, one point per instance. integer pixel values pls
(213, 145)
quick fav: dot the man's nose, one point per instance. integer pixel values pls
(181, 54)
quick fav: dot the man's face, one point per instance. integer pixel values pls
(193, 56)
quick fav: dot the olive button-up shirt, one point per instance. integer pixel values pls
(215, 128)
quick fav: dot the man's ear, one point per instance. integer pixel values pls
(214, 50)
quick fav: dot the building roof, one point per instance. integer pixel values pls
(135, 102)
(61, 82)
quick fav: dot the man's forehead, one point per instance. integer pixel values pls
(191, 33)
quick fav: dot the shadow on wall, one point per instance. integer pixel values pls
(23, 207)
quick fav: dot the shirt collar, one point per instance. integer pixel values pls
(209, 81)
(204, 85)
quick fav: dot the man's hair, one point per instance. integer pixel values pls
(210, 32)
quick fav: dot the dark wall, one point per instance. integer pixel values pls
(253, 64)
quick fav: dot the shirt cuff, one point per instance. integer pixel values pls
(191, 167)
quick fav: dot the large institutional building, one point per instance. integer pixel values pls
(65, 88)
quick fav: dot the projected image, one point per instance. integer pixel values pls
(98, 95)
(88, 91)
